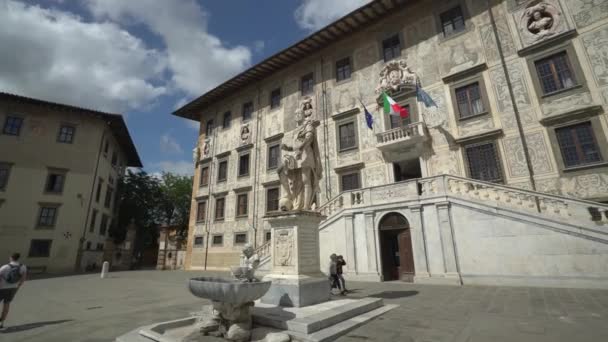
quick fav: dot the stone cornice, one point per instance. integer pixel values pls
(479, 136)
(577, 114)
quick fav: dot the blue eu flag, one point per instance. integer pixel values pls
(368, 118)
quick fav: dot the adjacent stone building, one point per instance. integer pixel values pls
(496, 176)
(59, 168)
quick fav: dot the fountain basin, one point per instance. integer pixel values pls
(228, 290)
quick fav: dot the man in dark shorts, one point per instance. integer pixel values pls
(12, 276)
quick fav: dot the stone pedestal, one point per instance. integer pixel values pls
(296, 278)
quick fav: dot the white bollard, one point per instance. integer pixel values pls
(105, 269)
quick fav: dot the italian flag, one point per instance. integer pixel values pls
(392, 108)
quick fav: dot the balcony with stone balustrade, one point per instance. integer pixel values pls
(403, 142)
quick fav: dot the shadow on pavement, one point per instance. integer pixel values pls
(394, 294)
(29, 326)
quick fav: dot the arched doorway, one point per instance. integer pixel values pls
(396, 248)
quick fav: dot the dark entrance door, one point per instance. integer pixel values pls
(396, 248)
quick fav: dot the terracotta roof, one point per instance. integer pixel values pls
(341, 28)
(115, 122)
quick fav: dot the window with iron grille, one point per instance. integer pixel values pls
(227, 119)
(272, 199)
(5, 170)
(247, 111)
(209, 127)
(103, 227)
(241, 205)
(108, 200)
(48, 216)
(93, 221)
(452, 21)
(198, 240)
(275, 98)
(218, 240)
(40, 248)
(268, 236)
(555, 73)
(244, 165)
(204, 176)
(397, 121)
(347, 136)
(201, 211)
(483, 162)
(222, 171)
(274, 154)
(578, 145)
(66, 134)
(343, 69)
(12, 125)
(307, 84)
(350, 181)
(219, 208)
(469, 100)
(391, 48)
(54, 183)
(240, 238)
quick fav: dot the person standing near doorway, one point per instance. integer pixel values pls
(339, 263)
(12, 276)
(333, 273)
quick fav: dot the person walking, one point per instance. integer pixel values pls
(333, 274)
(12, 276)
(339, 263)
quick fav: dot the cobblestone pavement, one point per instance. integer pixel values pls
(86, 308)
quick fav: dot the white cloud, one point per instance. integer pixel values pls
(181, 167)
(169, 145)
(315, 14)
(58, 56)
(197, 59)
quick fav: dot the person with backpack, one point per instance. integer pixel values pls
(12, 276)
(339, 264)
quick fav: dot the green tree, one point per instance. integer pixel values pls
(176, 200)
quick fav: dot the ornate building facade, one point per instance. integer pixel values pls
(506, 104)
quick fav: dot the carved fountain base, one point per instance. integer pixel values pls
(295, 275)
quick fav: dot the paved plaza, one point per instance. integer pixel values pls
(86, 308)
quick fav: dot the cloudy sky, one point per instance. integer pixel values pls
(145, 58)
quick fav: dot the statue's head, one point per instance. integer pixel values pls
(248, 250)
(285, 204)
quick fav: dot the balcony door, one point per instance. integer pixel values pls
(407, 169)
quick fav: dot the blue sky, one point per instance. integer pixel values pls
(145, 58)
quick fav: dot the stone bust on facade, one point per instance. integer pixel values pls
(245, 134)
(540, 20)
(300, 170)
(394, 76)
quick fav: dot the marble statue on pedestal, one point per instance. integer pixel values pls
(300, 170)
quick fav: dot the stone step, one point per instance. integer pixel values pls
(314, 318)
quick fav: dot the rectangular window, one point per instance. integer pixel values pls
(204, 176)
(555, 73)
(198, 241)
(114, 158)
(272, 199)
(218, 240)
(350, 181)
(397, 121)
(275, 98)
(201, 211)
(100, 246)
(343, 69)
(240, 238)
(247, 111)
(274, 154)
(108, 200)
(222, 171)
(347, 136)
(267, 236)
(227, 119)
(106, 148)
(54, 183)
(88, 245)
(578, 145)
(391, 48)
(5, 171)
(209, 127)
(66, 134)
(219, 208)
(483, 162)
(48, 216)
(307, 84)
(40, 248)
(469, 100)
(12, 125)
(93, 221)
(103, 227)
(452, 21)
(98, 192)
(241, 204)
(244, 165)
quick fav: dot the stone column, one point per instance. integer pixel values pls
(296, 278)
(349, 234)
(447, 240)
(372, 250)
(419, 243)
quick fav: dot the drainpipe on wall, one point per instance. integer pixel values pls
(209, 187)
(520, 129)
(328, 192)
(256, 175)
